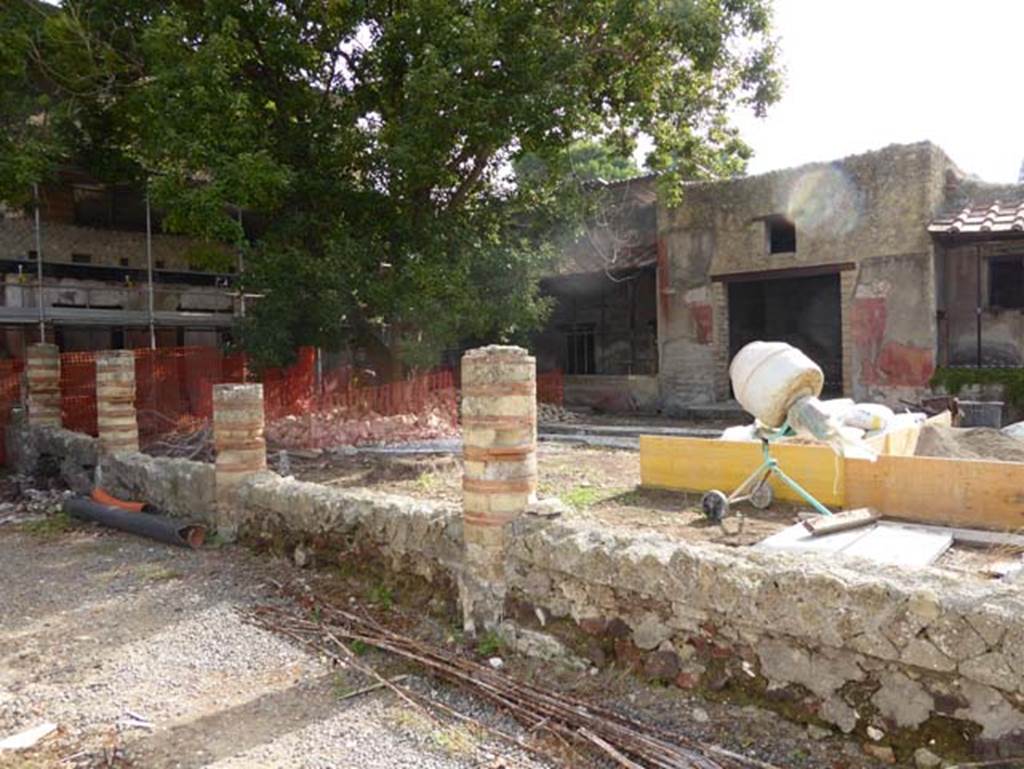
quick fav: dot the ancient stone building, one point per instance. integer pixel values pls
(871, 264)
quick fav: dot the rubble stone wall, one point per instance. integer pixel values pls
(45, 450)
(918, 654)
(178, 487)
(925, 656)
(411, 536)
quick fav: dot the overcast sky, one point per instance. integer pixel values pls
(862, 74)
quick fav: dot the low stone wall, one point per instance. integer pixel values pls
(926, 656)
(178, 487)
(412, 536)
(52, 451)
(919, 654)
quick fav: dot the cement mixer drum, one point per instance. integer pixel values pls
(769, 377)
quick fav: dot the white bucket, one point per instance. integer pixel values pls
(768, 377)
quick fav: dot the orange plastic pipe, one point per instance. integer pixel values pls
(99, 495)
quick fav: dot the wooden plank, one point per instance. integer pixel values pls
(974, 537)
(699, 464)
(966, 493)
(956, 492)
(820, 525)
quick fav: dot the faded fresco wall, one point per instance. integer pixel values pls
(871, 210)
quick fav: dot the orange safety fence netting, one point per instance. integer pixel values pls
(174, 393)
(10, 394)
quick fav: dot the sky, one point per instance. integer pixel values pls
(862, 74)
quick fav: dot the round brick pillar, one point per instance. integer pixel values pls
(42, 376)
(499, 432)
(241, 448)
(115, 401)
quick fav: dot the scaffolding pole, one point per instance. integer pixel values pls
(149, 273)
(241, 266)
(39, 266)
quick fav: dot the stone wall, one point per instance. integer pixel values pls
(44, 450)
(871, 210)
(412, 536)
(918, 654)
(926, 656)
(178, 487)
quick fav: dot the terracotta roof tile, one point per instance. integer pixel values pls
(999, 217)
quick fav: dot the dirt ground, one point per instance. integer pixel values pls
(595, 483)
(140, 654)
(598, 484)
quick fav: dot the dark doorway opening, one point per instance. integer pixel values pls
(805, 312)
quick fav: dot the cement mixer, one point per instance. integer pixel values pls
(779, 385)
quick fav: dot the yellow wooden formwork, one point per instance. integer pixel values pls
(953, 492)
(701, 464)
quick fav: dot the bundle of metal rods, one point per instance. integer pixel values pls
(626, 742)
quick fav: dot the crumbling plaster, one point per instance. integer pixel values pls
(871, 210)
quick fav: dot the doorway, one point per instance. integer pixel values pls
(805, 312)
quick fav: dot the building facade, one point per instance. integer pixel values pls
(878, 266)
(95, 259)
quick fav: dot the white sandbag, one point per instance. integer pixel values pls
(837, 407)
(1016, 430)
(739, 433)
(871, 417)
(909, 419)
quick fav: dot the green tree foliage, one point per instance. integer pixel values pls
(28, 142)
(379, 140)
(592, 160)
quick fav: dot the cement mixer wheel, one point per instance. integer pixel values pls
(762, 496)
(715, 505)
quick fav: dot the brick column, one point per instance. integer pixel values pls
(499, 432)
(241, 449)
(115, 401)
(42, 374)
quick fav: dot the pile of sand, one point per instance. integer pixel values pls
(969, 443)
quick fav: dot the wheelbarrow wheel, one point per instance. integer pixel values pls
(762, 496)
(715, 505)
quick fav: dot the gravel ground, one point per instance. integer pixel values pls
(97, 627)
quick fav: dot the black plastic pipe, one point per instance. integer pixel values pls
(158, 527)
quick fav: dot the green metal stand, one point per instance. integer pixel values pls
(755, 488)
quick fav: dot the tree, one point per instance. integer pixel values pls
(378, 139)
(28, 144)
(600, 160)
